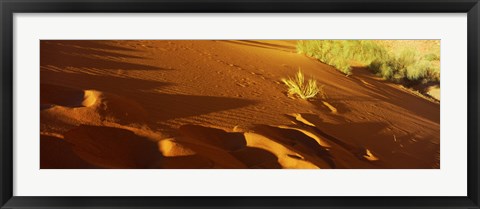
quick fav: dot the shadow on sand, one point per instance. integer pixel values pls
(159, 106)
(87, 54)
(394, 151)
(109, 147)
(232, 143)
(57, 153)
(384, 92)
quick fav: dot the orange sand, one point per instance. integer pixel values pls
(221, 104)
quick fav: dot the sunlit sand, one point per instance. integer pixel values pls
(222, 104)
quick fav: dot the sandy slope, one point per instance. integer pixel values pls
(220, 104)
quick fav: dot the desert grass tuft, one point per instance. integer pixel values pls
(303, 89)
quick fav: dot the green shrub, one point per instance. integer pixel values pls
(393, 63)
(432, 57)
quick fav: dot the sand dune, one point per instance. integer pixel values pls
(221, 104)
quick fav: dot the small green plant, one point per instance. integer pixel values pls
(304, 90)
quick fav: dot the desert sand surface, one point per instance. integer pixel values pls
(221, 104)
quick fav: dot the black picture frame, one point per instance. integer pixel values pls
(9, 7)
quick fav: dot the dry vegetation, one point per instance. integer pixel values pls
(304, 90)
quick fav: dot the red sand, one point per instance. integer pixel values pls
(221, 104)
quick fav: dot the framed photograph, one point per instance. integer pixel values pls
(239, 104)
